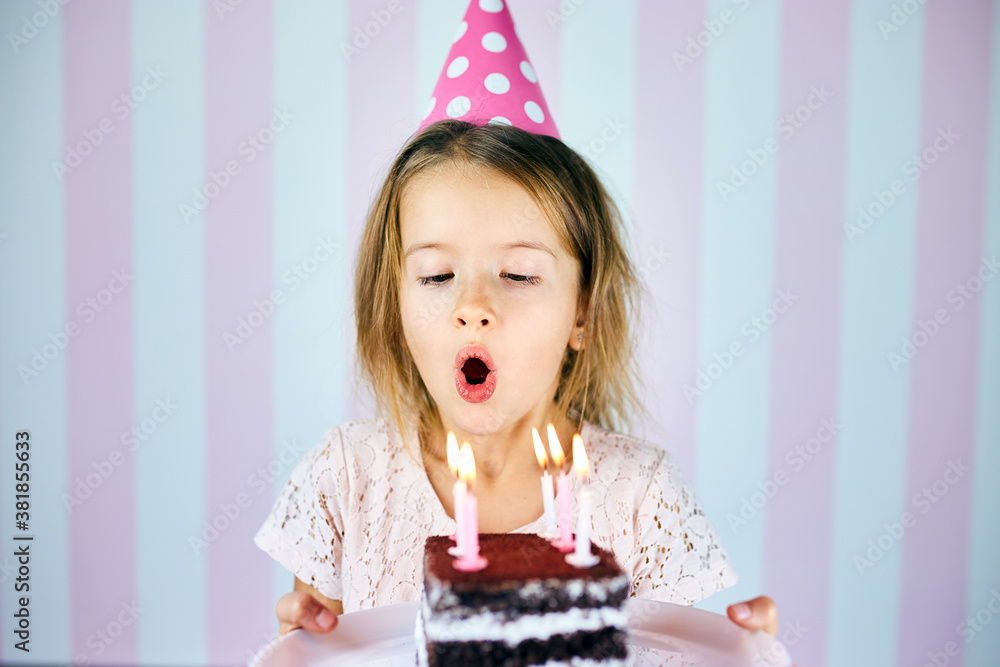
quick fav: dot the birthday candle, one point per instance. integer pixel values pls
(581, 556)
(470, 560)
(565, 541)
(548, 494)
(460, 495)
(457, 495)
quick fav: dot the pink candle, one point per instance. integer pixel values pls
(565, 541)
(582, 557)
(470, 560)
(548, 494)
(459, 492)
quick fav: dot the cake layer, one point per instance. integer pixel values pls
(526, 575)
(497, 626)
(601, 647)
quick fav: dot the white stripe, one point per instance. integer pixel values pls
(310, 182)
(32, 294)
(168, 302)
(491, 626)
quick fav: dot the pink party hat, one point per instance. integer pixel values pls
(487, 77)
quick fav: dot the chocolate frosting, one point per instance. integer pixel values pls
(513, 558)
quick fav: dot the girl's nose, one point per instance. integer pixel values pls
(473, 309)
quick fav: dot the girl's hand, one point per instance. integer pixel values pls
(307, 608)
(757, 614)
(301, 610)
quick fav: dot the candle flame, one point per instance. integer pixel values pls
(555, 448)
(467, 464)
(543, 459)
(579, 456)
(452, 453)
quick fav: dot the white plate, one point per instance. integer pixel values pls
(659, 634)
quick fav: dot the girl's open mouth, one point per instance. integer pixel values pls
(475, 378)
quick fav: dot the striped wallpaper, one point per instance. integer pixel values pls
(813, 197)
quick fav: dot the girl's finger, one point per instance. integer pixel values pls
(298, 609)
(758, 614)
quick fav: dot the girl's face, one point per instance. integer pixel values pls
(484, 274)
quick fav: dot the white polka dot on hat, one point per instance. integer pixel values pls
(487, 78)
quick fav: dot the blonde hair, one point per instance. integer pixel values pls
(598, 383)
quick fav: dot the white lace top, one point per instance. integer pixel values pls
(354, 515)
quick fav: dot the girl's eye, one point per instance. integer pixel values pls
(526, 280)
(434, 280)
(512, 277)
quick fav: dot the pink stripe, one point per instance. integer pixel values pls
(381, 118)
(809, 206)
(3, 508)
(238, 271)
(950, 246)
(96, 59)
(668, 210)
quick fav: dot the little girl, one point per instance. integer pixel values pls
(492, 295)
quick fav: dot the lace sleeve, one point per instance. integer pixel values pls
(678, 555)
(304, 531)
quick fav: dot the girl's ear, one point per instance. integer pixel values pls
(581, 309)
(577, 334)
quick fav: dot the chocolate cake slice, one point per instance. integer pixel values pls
(527, 607)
